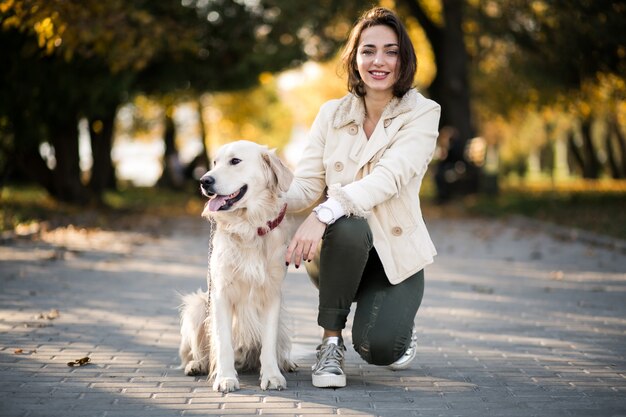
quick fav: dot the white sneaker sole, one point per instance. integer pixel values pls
(329, 381)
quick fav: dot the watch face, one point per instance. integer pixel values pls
(325, 216)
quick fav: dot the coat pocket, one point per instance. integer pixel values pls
(397, 219)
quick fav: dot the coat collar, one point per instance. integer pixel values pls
(351, 108)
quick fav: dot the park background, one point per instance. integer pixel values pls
(110, 110)
(115, 108)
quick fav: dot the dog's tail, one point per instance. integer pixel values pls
(194, 344)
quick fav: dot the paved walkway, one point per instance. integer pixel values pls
(514, 323)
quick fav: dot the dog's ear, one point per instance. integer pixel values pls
(282, 173)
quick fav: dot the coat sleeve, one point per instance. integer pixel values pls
(407, 157)
(310, 175)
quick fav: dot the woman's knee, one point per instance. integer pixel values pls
(350, 231)
(379, 347)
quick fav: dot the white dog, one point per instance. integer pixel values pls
(241, 326)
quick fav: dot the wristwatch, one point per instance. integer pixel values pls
(324, 214)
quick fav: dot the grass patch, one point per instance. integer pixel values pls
(24, 205)
(596, 206)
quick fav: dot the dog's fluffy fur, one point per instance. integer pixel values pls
(244, 328)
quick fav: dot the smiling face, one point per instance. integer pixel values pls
(378, 59)
(227, 183)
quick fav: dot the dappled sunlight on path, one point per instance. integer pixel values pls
(513, 323)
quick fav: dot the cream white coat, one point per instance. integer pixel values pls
(377, 178)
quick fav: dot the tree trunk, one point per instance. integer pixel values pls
(591, 167)
(172, 176)
(200, 164)
(30, 165)
(621, 142)
(203, 136)
(575, 152)
(611, 154)
(101, 132)
(450, 89)
(66, 176)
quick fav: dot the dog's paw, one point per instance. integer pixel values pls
(194, 368)
(289, 366)
(226, 384)
(275, 381)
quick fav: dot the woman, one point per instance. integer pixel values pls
(369, 151)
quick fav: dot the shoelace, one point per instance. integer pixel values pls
(329, 356)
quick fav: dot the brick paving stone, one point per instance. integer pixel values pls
(503, 331)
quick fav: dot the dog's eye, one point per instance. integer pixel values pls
(235, 161)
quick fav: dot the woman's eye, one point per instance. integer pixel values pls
(235, 161)
(392, 52)
(367, 52)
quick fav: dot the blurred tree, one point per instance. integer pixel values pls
(69, 60)
(444, 23)
(564, 54)
(255, 114)
(66, 61)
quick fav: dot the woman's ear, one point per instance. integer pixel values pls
(282, 173)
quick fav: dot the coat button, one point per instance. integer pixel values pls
(338, 166)
(387, 122)
(353, 130)
(396, 231)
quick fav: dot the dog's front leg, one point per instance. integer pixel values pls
(225, 373)
(271, 377)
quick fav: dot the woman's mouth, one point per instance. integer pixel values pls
(379, 75)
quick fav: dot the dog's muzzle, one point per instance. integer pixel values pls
(219, 202)
(207, 183)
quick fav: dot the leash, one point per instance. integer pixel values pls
(208, 274)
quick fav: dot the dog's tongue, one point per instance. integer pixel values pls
(216, 202)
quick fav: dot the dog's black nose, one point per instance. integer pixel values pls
(207, 181)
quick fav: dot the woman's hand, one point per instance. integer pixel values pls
(306, 240)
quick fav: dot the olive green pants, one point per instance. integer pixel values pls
(349, 270)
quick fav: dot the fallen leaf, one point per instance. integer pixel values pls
(482, 289)
(50, 315)
(557, 275)
(53, 314)
(80, 362)
(18, 351)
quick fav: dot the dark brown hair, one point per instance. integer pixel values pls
(408, 61)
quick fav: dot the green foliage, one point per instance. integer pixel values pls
(552, 46)
(67, 60)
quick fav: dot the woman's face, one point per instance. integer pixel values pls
(378, 59)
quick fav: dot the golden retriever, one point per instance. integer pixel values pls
(237, 324)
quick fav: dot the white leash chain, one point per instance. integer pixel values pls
(208, 273)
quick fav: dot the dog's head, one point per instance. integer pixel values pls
(243, 174)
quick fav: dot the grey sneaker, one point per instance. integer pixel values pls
(328, 370)
(405, 360)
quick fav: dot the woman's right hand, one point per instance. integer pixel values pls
(306, 241)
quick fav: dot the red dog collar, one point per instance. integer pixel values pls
(272, 224)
